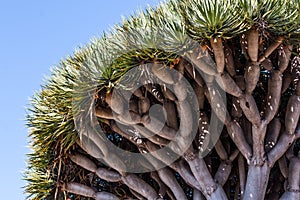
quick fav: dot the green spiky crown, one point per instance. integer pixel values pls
(159, 35)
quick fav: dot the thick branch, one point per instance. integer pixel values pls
(293, 184)
(162, 187)
(272, 135)
(224, 169)
(192, 72)
(228, 84)
(236, 133)
(83, 190)
(284, 55)
(250, 109)
(217, 45)
(170, 109)
(252, 73)
(182, 169)
(217, 103)
(139, 185)
(271, 48)
(292, 114)
(274, 95)
(284, 142)
(229, 61)
(168, 178)
(253, 42)
(242, 174)
(197, 59)
(209, 187)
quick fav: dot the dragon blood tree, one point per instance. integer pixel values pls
(195, 99)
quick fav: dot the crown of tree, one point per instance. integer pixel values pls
(247, 49)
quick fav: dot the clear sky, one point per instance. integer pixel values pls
(35, 35)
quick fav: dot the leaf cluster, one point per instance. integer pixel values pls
(154, 35)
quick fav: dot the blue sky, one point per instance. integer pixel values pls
(35, 35)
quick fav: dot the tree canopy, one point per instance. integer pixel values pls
(173, 30)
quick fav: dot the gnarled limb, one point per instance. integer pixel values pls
(203, 131)
(156, 139)
(105, 113)
(159, 128)
(144, 105)
(115, 101)
(168, 94)
(221, 150)
(236, 110)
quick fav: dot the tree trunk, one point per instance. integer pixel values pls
(257, 181)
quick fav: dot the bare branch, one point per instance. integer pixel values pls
(242, 174)
(283, 166)
(292, 114)
(272, 48)
(236, 133)
(272, 135)
(221, 150)
(162, 187)
(86, 191)
(274, 95)
(250, 109)
(168, 178)
(228, 84)
(293, 180)
(284, 142)
(252, 73)
(139, 185)
(284, 55)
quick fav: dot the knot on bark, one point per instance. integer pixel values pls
(258, 160)
(290, 189)
(189, 156)
(209, 189)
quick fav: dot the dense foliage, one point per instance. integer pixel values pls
(246, 50)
